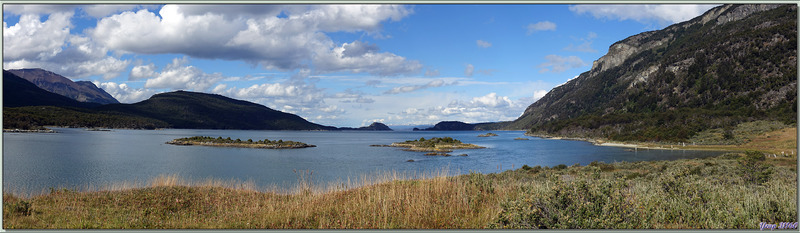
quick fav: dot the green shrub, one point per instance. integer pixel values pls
(752, 168)
(592, 204)
(603, 166)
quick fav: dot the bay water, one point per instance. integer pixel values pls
(74, 158)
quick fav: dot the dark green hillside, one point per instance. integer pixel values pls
(183, 109)
(734, 64)
(34, 117)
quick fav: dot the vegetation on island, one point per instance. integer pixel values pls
(228, 142)
(734, 191)
(488, 135)
(521, 138)
(435, 144)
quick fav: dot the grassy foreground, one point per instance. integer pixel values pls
(730, 191)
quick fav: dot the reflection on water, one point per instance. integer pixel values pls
(77, 158)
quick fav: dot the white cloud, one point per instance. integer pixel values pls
(557, 64)
(179, 76)
(298, 95)
(31, 39)
(282, 43)
(405, 89)
(664, 14)
(488, 108)
(32, 43)
(108, 67)
(49, 45)
(358, 57)
(483, 44)
(125, 94)
(143, 72)
(469, 70)
(491, 100)
(541, 26)
(173, 32)
(539, 94)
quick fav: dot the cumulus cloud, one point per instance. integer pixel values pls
(483, 44)
(282, 43)
(664, 14)
(490, 107)
(49, 45)
(298, 95)
(179, 76)
(142, 72)
(541, 26)
(124, 93)
(469, 70)
(358, 57)
(557, 64)
(405, 89)
(31, 39)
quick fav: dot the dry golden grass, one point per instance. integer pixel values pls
(385, 201)
(658, 194)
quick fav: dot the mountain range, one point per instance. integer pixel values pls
(18, 92)
(82, 91)
(733, 64)
(23, 103)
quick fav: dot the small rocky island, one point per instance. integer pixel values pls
(228, 142)
(439, 146)
(488, 135)
(521, 138)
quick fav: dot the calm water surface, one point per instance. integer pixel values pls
(77, 158)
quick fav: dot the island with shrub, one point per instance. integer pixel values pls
(443, 144)
(228, 142)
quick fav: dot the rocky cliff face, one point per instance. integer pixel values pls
(739, 57)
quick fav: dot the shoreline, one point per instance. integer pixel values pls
(750, 146)
(637, 145)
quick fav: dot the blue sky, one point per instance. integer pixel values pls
(341, 65)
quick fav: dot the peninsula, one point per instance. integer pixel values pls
(444, 144)
(228, 142)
